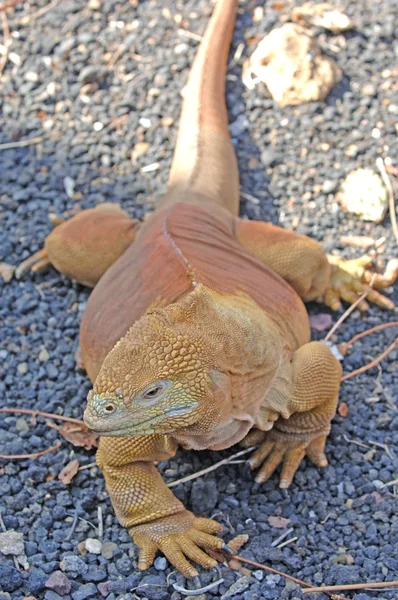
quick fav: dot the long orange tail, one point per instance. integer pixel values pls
(204, 159)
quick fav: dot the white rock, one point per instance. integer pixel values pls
(290, 62)
(322, 15)
(363, 193)
(69, 186)
(93, 546)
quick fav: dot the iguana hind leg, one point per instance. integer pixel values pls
(311, 400)
(313, 275)
(86, 245)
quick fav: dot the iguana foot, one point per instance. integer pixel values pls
(38, 262)
(273, 452)
(253, 438)
(179, 537)
(86, 245)
(350, 278)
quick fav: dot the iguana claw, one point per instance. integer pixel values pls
(351, 278)
(271, 453)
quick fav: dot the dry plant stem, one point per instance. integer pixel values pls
(40, 12)
(6, 40)
(346, 345)
(22, 143)
(373, 363)
(225, 461)
(265, 568)
(349, 310)
(391, 204)
(34, 455)
(9, 4)
(351, 586)
(40, 413)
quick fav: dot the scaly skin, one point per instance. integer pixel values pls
(197, 334)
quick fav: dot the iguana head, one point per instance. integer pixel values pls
(162, 376)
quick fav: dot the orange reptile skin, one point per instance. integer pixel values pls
(196, 332)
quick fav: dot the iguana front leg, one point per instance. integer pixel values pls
(145, 505)
(304, 265)
(311, 400)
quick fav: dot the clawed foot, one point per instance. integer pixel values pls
(179, 537)
(273, 452)
(351, 278)
(38, 262)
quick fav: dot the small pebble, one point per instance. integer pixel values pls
(93, 546)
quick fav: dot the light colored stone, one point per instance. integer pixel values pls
(43, 355)
(11, 542)
(6, 272)
(290, 62)
(93, 546)
(322, 15)
(108, 549)
(363, 193)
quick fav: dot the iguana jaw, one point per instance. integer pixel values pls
(131, 421)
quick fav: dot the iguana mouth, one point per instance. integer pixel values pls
(136, 428)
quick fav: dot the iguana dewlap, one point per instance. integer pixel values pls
(196, 332)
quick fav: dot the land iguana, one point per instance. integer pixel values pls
(196, 333)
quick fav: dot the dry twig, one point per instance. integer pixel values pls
(349, 310)
(34, 455)
(6, 40)
(391, 204)
(345, 345)
(266, 568)
(40, 413)
(225, 461)
(351, 586)
(9, 4)
(39, 13)
(21, 143)
(373, 363)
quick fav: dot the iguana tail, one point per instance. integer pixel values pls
(204, 159)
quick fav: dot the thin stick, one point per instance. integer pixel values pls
(293, 539)
(40, 413)
(6, 40)
(356, 442)
(9, 4)
(351, 586)
(349, 310)
(22, 143)
(34, 455)
(266, 568)
(73, 526)
(389, 483)
(225, 461)
(391, 204)
(373, 363)
(100, 523)
(281, 537)
(40, 12)
(93, 464)
(190, 35)
(367, 332)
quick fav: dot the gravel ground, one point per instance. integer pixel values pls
(94, 79)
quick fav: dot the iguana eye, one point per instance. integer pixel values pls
(153, 392)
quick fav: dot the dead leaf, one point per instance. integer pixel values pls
(78, 435)
(343, 409)
(278, 522)
(237, 542)
(362, 241)
(321, 322)
(69, 471)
